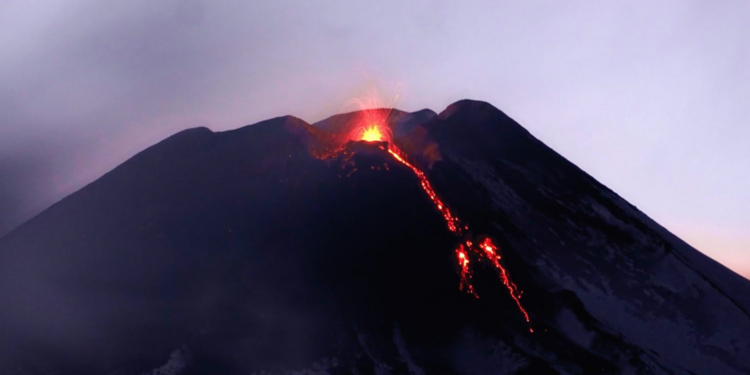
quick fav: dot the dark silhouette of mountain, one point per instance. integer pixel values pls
(246, 252)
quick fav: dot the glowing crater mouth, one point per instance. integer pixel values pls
(372, 133)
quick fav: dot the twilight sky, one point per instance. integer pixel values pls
(651, 98)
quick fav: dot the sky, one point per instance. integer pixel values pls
(651, 98)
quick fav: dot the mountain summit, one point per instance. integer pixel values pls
(453, 243)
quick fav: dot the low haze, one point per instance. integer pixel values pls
(649, 98)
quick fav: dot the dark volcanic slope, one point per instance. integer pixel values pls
(615, 272)
(239, 252)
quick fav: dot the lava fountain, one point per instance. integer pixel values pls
(372, 133)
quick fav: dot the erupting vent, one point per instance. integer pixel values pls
(372, 134)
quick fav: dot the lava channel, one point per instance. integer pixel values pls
(485, 250)
(374, 131)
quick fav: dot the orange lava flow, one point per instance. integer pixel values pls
(486, 249)
(450, 219)
(373, 131)
(463, 261)
(490, 251)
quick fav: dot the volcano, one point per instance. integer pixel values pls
(420, 243)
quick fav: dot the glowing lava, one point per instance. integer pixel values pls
(490, 251)
(450, 219)
(463, 261)
(371, 127)
(486, 249)
(372, 133)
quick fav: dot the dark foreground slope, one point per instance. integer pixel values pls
(239, 252)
